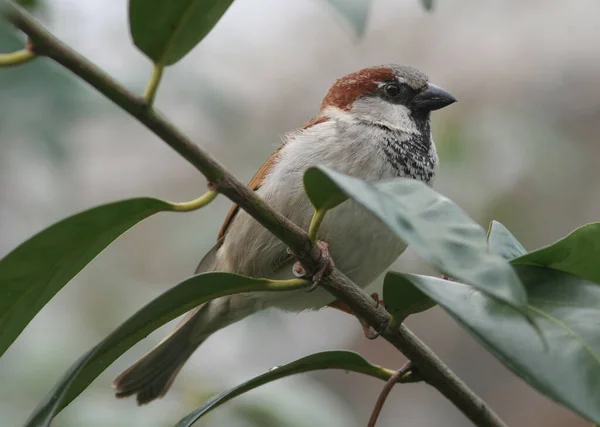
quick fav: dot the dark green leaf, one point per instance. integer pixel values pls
(427, 4)
(402, 298)
(356, 12)
(566, 309)
(436, 228)
(578, 253)
(174, 302)
(37, 269)
(502, 242)
(337, 359)
(167, 30)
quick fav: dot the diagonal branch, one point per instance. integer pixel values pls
(430, 367)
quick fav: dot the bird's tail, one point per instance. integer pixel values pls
(151, 377)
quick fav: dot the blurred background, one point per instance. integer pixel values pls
(519, 147)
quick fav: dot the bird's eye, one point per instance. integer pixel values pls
(392, 90)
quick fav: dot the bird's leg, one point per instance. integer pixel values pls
(325, 265)
(367, 329)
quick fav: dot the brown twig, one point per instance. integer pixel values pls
(430, 367)
(386, 391)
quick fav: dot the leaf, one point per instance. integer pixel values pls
(578, 253)
(336, 359)
(427, 4)
(437, 229)
(356, 12)
(502, 242)
(566, 309)
(402, 298)
(36, 270)
(174, 302)
(167, 30)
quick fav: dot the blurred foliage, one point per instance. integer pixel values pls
(49, 101)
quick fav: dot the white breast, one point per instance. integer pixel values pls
(360, 245)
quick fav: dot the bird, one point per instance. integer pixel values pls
(373, 124)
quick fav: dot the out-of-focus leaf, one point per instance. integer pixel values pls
(436, 228)
(502, 242)
(36, 270)
(402, 299)
(167, 30)
(356, 12)
(337, 359)
(174, 302)
(427, 4)
(567, 310)
(578, 253)
(36, 98)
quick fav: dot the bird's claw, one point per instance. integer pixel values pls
(372, 334)
(369, 332)
(325, 266)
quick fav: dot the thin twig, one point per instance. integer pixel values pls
(386, 391)
(431, 368)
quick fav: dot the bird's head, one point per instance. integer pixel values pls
(393, 96)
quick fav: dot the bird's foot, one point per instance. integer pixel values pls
(369, 332)
(325, 266)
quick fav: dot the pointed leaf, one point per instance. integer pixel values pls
(36, 270)
(437, 229)
(167, 30)
(578, 253)
(336, 359)
(174, 302)
(502, 242)
(356, 12)
(567, 310)
(402, 299)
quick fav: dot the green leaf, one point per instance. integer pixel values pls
(427, 4)
(36, 270)
(502, 242)
(167, 30)
(436, 228)
(356, 12)
(578, 253)
(174, 302)
(402, 298)
(566, 309)
(336, 359)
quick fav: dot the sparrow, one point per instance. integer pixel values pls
(373, 124)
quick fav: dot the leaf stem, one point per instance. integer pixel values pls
(315, 224)
(196, 204)
(290, 283)
(16, 58)
(151, 89)
(386, 391)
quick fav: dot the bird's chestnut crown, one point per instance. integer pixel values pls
(383, 94)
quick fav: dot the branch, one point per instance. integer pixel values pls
(45, 44)
(430, 367)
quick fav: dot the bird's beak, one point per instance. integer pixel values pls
(432, 98)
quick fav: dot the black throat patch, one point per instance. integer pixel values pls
(414, 157)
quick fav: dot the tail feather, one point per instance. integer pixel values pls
(151, 376)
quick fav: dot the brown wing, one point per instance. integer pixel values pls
(259, 177)
(254, 185)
